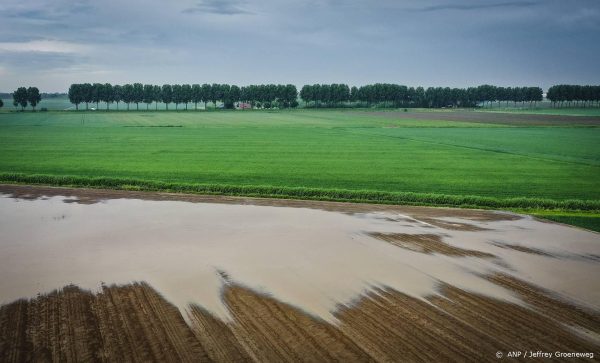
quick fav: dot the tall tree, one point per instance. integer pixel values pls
(97, 93)
(137, 95)
(156, 94)
(166, 95)
(186, 94)
(206, 93)
(177, 95)
(33, 96)
(196, 95)
(20, 97)
(87, 94)
(127, 94)
(148, 95)
(117, 91)
(107, 95)
(75, 95)
(234, 94)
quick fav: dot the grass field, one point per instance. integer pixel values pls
(328, 154)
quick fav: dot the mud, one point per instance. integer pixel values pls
(427, 243)
(93, 196)
(242, 279)
(513, 119)
(134, 323)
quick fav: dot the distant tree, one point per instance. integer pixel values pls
(107, 95)
(215, 93)
(196, 95)
(75, 95)
(137, 95)
(1, 103)
(33, 96)
(235, 94)
(96, 92)
(186, 94)
(117, 92)
(20, 97)
(206, 93)
(177, 95)
(166, 95)
(156, 96)
(127, 94)
(87, 94)
(148, 95)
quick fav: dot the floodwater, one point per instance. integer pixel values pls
(313, 259)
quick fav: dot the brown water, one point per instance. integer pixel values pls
(310, 258)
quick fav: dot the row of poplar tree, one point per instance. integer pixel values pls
(255, 95)
(574, 94)
(395, 95)
(317, 95)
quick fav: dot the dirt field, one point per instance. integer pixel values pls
(134, 323)
(514, 119)
(242, 279)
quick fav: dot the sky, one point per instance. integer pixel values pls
(461, 43)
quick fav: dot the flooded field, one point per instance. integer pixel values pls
(100, 275)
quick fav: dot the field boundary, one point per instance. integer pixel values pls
(338, 195)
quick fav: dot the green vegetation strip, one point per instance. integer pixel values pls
(363, 196)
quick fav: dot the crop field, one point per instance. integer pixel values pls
(315, 154)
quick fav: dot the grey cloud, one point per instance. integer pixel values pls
(477, 6)
(508, 42)
(41, 60)
(222, 7)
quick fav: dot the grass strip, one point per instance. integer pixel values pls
(361, 196)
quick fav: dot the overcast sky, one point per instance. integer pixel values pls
(52, 44)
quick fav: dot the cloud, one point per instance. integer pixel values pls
(221, 7)
(43, 46)
(476, 6)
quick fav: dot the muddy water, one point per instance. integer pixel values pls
(313, 259)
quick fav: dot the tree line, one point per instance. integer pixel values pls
(395, 95)
(317, 95)
(573, 95)
(261, 96)
(26, 95)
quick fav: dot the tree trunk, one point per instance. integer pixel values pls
(137, 106)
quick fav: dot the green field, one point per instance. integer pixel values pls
(328, 154)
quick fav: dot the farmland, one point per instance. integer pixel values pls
(338, 150)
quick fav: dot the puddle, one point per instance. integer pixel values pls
(313, 259)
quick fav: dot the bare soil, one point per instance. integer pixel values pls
(427, 243)
(91, 196)
(513, 119)
(134, 323)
